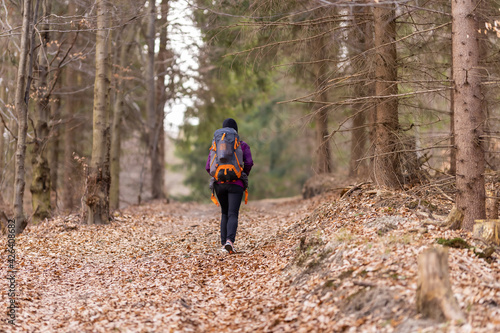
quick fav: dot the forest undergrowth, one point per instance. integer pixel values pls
(326, 264)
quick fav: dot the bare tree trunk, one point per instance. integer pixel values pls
(386, 163)
(453, 150)
(370, 86)
(40, 184)
(357, 166)
(469, 115)
(98, 179)
(358, 143)
(114, 191)
(164, 58)
(53, 153)
(70, 106)
(324, 160)
(21, 105)
(489, 142)
(69, 177)
(153, 133)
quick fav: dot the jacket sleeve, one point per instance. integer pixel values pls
(247, 158)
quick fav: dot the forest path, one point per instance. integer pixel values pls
(157, 268)
(326, 264)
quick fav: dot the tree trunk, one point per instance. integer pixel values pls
(114, 191)
(164, 58)
(361, 33)
(53, 154)
(40, 184)
(70, 107)
(324, 160)
(357, 166)
(153, 130)
(370, 86)
(453, 150)
(69, 170)
(490, 141)
(98, 179)
(469, 115)
(386, 163)
(434, 295)
(21, 105)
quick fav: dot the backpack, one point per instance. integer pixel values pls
(226, 155)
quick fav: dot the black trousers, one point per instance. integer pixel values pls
(229, 196)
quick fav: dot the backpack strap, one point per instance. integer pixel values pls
(214, 199)
(212, 187)
(239, 165)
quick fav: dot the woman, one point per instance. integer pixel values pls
(230, 195)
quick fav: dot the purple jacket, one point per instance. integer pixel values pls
(247, 161)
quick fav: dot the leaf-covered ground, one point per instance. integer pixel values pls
(318, 265)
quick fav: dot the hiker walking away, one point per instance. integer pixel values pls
(229, 163)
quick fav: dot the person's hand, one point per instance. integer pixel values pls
(244, 178)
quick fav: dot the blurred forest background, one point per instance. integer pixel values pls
(360, 90)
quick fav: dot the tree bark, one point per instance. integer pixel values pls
(357, 166)
(69, 170)
(453, 150)
(53, 153)
(98, 179)
(361, 34)
(161, 95)
(71, 105)
(386, 163)
(114, 191)
(324, 160)
(21, 105)
(153, 132)
(40, 183)
(372, 106)
(469, 115)
(434, 295)
(489, 142)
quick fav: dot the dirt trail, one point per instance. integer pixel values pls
(157, 268)
(318, 265)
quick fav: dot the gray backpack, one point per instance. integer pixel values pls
(226, 155)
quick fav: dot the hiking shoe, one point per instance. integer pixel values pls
(229, 247)
(223, 249)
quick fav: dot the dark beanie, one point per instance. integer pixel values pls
(230, 122)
